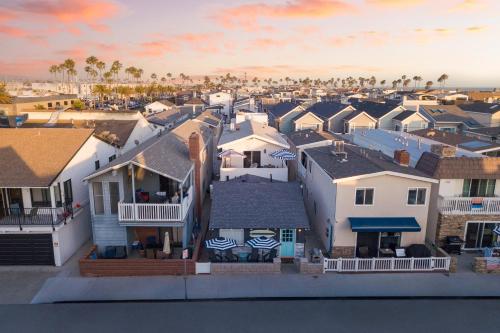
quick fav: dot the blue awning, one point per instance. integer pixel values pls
(384, 224)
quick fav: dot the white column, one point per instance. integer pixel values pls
(53, 203)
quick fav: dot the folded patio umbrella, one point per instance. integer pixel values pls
(263, 243)
(220, 243)
(166, 244)
(283, 154)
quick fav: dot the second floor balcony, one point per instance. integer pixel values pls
(155, 211)
(469, 205)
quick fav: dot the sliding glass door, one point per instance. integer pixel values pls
(481, 235)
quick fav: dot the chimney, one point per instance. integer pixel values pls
(443, 150)
(402, 157)
(194, 155)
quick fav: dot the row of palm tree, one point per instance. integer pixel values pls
(66, 69)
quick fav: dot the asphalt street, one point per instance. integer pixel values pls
(454, 315)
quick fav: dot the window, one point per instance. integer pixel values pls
(114, 197)
(98, 198)
(252, 159)
(65, 102)
(405, 128)
(40, 197)
(416, 196)
(479, 188)
(315, 208)
(364, 196)
(303, 159)
(68, 191)
(49, 105)
(111, 158)
(97, 164)
(481, 235)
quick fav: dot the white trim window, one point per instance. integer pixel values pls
(364, 196)
(416, 196)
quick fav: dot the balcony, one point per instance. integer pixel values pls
(154, 213)
(472, 206)
(36, 216)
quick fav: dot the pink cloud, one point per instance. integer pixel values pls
(247, 16)
(395, 3)
(24, 67)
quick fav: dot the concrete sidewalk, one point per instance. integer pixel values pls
(74, 289)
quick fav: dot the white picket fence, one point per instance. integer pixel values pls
(387, 264)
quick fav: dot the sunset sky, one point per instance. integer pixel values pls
(296, 38)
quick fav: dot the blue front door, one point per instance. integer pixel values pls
(287, 239)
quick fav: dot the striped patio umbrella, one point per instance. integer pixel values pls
(496, 230)
(283, 154)
(220, 243)
(263, 243)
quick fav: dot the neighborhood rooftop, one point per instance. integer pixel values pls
(254, 202)
(250, 127)
(308, 136)
(34, 157)
(455, 139)
(356, 161)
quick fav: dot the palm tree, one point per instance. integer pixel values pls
(382, 83)
(373, 81)
(53, 69)
(417, 79)
(69, 67)
(91, 62)
(125, 92)
(116, 66)
(108, 77)
(406, 83)
(428, 85)
(154, 77)
(101, 90)
(101, 66)
(442, 79)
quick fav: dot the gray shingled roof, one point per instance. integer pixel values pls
(254, 202)
(307, 136)
(374, 109)
(459, 167)
(282, 108)
(405, 114)
(448, 113)
(480, 107)
(456, 139)
(326, 110)
(167, 155)
(360, 161)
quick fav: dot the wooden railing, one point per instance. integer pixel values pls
(473, 206)
(155, 212)
(387, 264)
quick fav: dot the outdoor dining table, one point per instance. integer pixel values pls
(242, 252)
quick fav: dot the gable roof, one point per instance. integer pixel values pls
(185, 130)
(459, 167)
(359, 162)
(326, 110)
(114, 132)
(407, 114)
(166, 155)
(480, 107)
(307, 136)
(250, 128)
(374, 109)
(357, 113)
(166, 117)
(34, 157)
(229, 211)
(282, 108)
(304, 113)
(211, 118)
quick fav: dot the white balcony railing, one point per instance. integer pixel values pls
(387, 264)
(155, 212)
(473, 206)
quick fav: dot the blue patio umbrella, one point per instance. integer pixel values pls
(220, 243)
(283, 154)
(263, 243)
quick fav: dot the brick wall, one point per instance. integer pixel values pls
(454, 225)
(245, 268)
(481, 266)
(306, 267)
(343, 252)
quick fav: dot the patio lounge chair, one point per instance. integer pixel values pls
(269, 257)
(229, 256)
(254, 256)
(214, 257)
